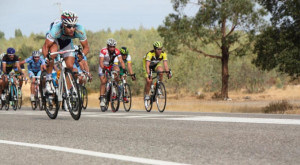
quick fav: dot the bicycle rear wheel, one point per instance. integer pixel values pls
(161, 97)
(126, 94)
(114, 97)
(50, 100)
(19, 98)
(73, 100)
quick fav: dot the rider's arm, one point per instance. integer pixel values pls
(86, 66)
(130, 67)
(121, 61)
(148, 67)
(85, 46)
(19, 67)
(4, 67)
(22, 62)
(46, 47)
(101, 62)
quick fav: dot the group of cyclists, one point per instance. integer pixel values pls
(60, 38)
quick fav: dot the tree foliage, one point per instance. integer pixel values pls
(278, 46)
(18, 33)
(215, 24)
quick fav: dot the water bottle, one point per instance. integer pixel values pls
(152, 88)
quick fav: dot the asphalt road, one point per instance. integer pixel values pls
(138, 137)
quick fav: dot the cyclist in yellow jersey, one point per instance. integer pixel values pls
(155, 60)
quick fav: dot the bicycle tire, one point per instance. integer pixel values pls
(161, 97)
(74, 101)
(114, 98)
(7, 100)
(14, 93)
(20, 98)
(33, 105)
(50, 101)
(126, 94)
(84, 97)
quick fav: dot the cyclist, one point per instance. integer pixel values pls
(107, 58)
(127, 59)
(1, 57)
(8, 62)
(154, 60)
(61, 34)
(18, 74)
(35, 66)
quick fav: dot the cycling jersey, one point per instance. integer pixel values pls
(128, 59)
(34, 66)
(154, 61)
(10, 63)
(109, 60)
(56, 34)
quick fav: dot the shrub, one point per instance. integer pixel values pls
(278, 107)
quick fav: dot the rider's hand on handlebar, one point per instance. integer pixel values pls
(133, 77)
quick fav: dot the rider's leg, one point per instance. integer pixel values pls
(32, 89)
(69, 64)
(160, 69)
(116, 68)
(53, 48)
(1, 82)
(103, 81)
(20, 81)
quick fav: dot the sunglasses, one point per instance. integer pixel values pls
(70, 26)
(36, 57)
(11, 54)
(158, 49)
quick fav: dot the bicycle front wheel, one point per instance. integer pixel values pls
(49, 100)
(73, 100)
(84, 97)
(161, 97)
(14, 95)
(114, 97)
(126, 97)
(19, 98)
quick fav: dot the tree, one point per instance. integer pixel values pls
(218, 23)
(18, 33)
(278, 46)
(2, 35)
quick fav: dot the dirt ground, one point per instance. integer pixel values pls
(240, 102)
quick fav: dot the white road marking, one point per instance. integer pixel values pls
(190, 117)
(240, 120)
(91, 153)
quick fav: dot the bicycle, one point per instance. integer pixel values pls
(112, 92)
(11, 93)
(82, 89)
(37, 95)
(125, 92)
(158, 93)
(19, 91)
(52, 100)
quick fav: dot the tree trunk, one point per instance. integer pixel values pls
(225, 72)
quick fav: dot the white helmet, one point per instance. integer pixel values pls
(69, 17)
(111, 42)
(36, 54)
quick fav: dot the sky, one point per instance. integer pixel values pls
(36, 15)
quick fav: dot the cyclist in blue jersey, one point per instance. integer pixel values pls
(9, 61)
(35, 66)
(61, 35)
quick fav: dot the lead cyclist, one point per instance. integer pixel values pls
(60, 36)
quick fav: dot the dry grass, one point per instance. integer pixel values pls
(241, 102)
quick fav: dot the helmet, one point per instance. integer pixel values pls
(10, 51)
(36, 54)
(69, 17)
(111, 42)
(124, 50)
(157, 44)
